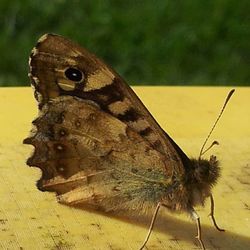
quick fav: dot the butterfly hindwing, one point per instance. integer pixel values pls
(90, 157)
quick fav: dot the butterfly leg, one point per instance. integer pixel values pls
(196, 217)
(151, 224)
(212, 215)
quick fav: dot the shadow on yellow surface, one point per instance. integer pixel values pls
(181, 229)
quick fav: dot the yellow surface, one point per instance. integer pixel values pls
(30, 219)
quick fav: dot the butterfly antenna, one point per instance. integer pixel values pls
(218, 118)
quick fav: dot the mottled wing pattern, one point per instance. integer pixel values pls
(54, 54)
(90, 157)
(95, 140)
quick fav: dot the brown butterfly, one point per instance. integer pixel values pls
(97, 145)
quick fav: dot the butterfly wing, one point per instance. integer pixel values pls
(90, 157)
(50, 62)
(59, 67)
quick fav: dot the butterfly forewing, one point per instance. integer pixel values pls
(54, 55)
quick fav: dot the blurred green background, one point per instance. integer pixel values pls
(191, 42)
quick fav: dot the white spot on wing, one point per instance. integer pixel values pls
(42, 38)
(34, 51)
(36, 80)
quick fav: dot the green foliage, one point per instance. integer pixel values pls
(192, 42)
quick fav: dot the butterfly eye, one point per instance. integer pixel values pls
(74, 74)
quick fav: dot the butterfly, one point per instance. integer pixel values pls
(97, 144)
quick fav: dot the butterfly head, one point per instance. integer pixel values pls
(206, 172)
(203, 176)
